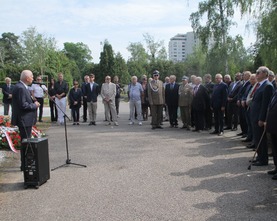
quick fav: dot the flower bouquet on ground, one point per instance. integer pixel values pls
(10, 136)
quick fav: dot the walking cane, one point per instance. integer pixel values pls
(251, 162)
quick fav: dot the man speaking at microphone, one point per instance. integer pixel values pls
(24, 108)
(38, 90)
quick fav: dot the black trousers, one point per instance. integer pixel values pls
(273, 137)
(218, 120)
(25, 132)
(208, 118)
(117, 101)
(85, 108)
(242, 120)
(199, 119)
(233, 115)
(53, 111)
(263, 148)
(172, 113)
(41, 101)
(75, 113)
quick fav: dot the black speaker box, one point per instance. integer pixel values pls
(36, 161)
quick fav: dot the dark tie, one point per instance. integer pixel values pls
(256, 87)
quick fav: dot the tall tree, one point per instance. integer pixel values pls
(121, 69)
(267, 38)
(36, 47)
(80, 53)
(107, 61)
(9, 48)
(156, 49)
(219, 21)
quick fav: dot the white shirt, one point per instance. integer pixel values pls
(38, 90)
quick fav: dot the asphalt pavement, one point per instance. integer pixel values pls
(135, 173)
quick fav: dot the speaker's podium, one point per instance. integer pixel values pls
(36, 161)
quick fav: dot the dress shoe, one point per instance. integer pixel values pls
(159, 127)
(90, 123)
(272, 172)
(251, 146)
(234, 129)
(93, 123)
(259, 164)
(214, 132)
(246, 140)
(274, 177)
(227, 128)
(153, 128)
(254, 161)
(243, 136)
(220, 134)
(183, 127)
(240, 134)
(171, 126)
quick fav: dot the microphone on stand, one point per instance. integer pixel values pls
(39, 83)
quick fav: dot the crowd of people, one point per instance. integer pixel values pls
(248, 101)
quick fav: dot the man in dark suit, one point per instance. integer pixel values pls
(209, 114)
(24, 114)
(7, 90)
(200, 102)
(243, 109)
(232, 108)
(259, 106)
(271, 129)
(171, 100)
(218, 103)
(85, 107)
(91, 93)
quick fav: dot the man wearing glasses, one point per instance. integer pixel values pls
(108, 92)
(38, 91)
(259, 105)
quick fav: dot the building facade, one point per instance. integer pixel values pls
(181, 45)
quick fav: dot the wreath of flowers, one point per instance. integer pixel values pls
(10, 136)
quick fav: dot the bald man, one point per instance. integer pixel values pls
(24, 114)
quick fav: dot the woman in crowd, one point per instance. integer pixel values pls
(75, 102)
(52, 93)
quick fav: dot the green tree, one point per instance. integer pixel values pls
(219, 14)
(80, 54)
(138, 61)
(36, 47)
(267, 38)
(107, 61)
(156, 49)
(121, 69)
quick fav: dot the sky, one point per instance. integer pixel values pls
(121, 22)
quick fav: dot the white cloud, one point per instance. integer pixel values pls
(90, 22)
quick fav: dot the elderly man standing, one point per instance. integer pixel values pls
(135, 92)
(24, 108)
(218, 103)
(108, 92)
(7, 90)
(261, 98)
(171, 100)
(185, 99)
(156, 96)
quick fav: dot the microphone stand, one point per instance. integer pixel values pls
(68, 160)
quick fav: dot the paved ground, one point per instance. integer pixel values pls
(134, 173)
